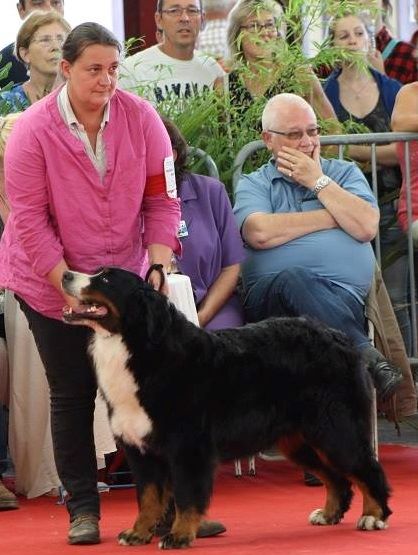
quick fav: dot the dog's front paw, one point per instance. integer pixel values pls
(319, 518)
(173, 541)
(130, 537)
(370, 522)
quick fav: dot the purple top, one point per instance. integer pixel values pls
(62, 209)
(212, 241)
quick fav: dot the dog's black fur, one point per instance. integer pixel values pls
(218, 395)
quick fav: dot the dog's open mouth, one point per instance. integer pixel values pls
(90, 311)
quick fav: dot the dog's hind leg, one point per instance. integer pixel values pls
(371, 481)
(153, 495)
(356, 462)
(338, 488)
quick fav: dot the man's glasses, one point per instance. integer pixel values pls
(178, 12)
(297, 135)
(47, 40)
(257, 27)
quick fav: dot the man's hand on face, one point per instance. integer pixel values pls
(302, 168)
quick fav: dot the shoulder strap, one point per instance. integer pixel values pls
(389, 48)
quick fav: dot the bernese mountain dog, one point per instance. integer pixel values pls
(181, 399)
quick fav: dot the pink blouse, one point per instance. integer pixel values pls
(61, 208)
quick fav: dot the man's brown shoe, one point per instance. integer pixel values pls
(84, 530)
(8, 500)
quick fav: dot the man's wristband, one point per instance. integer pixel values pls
(321, 183)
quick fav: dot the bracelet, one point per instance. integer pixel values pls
(321, 183)
(158, 268)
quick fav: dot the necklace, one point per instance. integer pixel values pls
(357, 92)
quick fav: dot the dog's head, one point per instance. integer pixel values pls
(107, 298)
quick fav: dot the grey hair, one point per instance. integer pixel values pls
(279, 104)
(237, 16)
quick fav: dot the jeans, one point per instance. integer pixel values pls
(72, 384)
(298, 291)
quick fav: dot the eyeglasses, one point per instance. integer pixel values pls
(47, 40)
(257, 27)
(178, 12)
(297, 135)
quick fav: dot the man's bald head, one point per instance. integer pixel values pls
(280, 108)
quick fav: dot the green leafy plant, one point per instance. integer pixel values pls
(4, 72)
(210, 121)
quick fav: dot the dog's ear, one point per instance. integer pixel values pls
(148, 314)
(158, 317)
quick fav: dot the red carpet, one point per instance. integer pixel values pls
(264, 514)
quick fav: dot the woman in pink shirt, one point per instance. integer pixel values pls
(89, 178)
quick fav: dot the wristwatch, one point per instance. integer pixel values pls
(321, 183)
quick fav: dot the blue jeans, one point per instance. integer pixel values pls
(298, 291)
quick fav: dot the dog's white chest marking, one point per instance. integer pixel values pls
(128, 421)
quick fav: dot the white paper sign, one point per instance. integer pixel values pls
(170, 177)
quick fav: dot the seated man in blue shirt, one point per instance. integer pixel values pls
(307, 223)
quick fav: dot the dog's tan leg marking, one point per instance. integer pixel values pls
(152, 508)
(183, 531)
(372, 517)
(331, 513)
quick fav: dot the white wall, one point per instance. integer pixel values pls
(406, 22)
(107, 12)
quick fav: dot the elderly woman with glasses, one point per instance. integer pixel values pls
(38, 46)
(255, 32)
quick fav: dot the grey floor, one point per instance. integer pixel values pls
(387, 432)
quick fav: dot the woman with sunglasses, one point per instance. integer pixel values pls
(38, 45)
(255, 32)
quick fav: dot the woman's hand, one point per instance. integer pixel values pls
(159, 254)
(375, 59)
(158, 281)
(218, 294)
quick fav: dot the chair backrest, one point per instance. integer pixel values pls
(209, 162)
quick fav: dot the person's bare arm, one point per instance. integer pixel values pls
(405, 112)
(385, 154)
(218, 293)
(376, 60)
(353, 214)
(159, 254)
(218, 85)
(55, 278)
(319, 100)
(264, 231)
